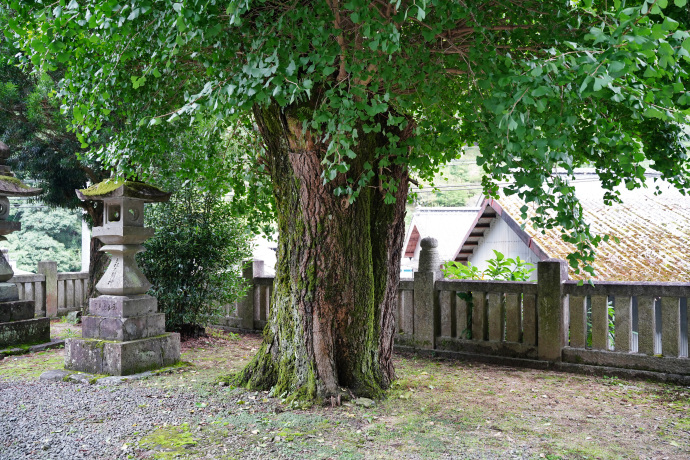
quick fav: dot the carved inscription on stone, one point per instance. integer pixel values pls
(113, 272)
(105, 305)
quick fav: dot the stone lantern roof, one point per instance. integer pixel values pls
(123, 189)
(10, 185)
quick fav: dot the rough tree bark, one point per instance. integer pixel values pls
(331, 325)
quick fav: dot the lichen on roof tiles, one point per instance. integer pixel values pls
(654, 234)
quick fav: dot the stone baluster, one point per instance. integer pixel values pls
(552, 309)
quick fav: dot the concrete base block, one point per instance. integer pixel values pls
(25, 332)
(114, 306)
(122, 358)
(16, 310)
(123, 329)
(8, 292)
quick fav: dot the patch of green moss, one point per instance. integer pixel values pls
(177, 365)
(259, 374)
(25, 347)
(110, 185)
(94, 378)
(103, 188)
(304, 396)
(14, 181)
(29, 367)
(169, 442)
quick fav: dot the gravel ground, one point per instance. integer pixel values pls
(41, 420)
(435, 409)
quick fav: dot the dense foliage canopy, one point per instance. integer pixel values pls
(43, 147)
(538, 85)
(46, 234)
(46, 150)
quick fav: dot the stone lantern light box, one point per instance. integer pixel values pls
(122, 233)
(123, 333)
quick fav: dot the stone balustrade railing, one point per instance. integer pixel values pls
(637, 325)
(251, 313)
(612, 328)
(54, 293)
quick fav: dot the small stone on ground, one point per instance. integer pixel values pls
(56, 375)
(364, 402)
(74, 317)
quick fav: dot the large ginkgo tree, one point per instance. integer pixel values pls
(355, 99)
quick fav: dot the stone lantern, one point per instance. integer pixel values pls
(17, 323)
(123, 333)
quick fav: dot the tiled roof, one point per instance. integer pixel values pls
(654, 234)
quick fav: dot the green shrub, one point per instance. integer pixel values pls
(194, 260)
(499, 268)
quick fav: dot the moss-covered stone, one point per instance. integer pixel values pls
(30, 331)
(11, 186)
(97, 356)
(119, 187)
(14, 181)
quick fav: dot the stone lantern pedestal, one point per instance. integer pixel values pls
(123, 333)
(17, 323)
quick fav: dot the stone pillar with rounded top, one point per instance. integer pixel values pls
(123, 333)
(426, 311)
(17, 323)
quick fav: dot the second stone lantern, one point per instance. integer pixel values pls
(17, 323)
(123, 333)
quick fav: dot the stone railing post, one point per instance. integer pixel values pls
(425, 304)
(50, 289)
(245, 306)
(552, 309)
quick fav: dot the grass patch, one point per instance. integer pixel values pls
(31, 366)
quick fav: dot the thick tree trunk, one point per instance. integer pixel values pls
(331, 324)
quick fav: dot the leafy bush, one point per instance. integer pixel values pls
(194, 260)
(500, 268)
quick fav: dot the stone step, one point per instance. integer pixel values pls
(122, 358)
(26, 331)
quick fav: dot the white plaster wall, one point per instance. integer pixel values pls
(503, 239)
(265, 250)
